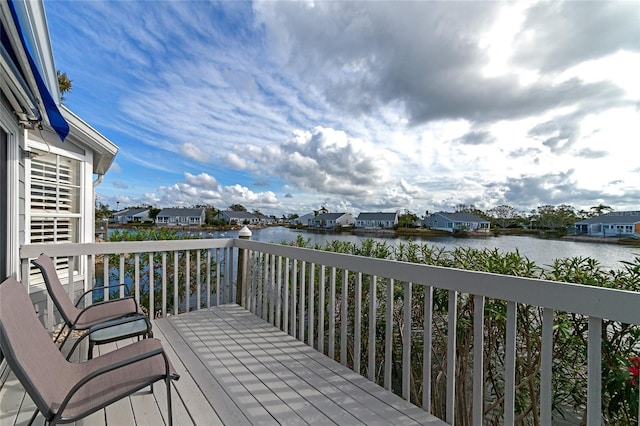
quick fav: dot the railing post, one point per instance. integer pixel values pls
(241, 286)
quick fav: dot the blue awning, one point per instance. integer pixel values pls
(56, 119)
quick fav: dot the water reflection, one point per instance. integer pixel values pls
(541, 251)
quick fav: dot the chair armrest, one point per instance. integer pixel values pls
(136, 311)
(102, 287)
(108, 324)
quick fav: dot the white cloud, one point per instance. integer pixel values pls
(203, 180)
(193, 152)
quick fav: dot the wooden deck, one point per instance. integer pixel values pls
(236, 369)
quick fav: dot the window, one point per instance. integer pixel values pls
(55, 202)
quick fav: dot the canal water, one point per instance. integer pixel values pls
(541, 251)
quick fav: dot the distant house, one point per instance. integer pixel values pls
(304, 220)
(611, 224)
(181, 217)
(377, 220)
(265, 220)
(332, 220)
(239, 218)
(450, 222)
(130, 215)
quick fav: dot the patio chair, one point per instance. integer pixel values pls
(76, 319)
(64, 391)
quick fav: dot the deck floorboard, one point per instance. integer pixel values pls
(237, 369)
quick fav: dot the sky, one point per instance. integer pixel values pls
(358, 106)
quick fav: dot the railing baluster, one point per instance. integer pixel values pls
(218, 261)
(198, 280)
(251, 259)
(344, 317)
(426, 350)
(257, 271)
(265, 286)
(452, 321)
(285, 302)
(230, 263)
(272, 290)
(311, 306)
(321, 301)
(278, 293)
(388, 333)
(152, 308)
(301, 300)
(371, 362)
(90, 280)
(187, 279)
(164, 284)
(510, 364)
(136, 277)
(332, 314)
(594, 377)
(546, 391)
(176, 283)
(357, 323)
(209, 278)
(478, 355)
(249, 272)
(259, 284)
(70, 287)
(294, 299)
(406, 341)
(50, 316)
(105, 277)
(121, 276)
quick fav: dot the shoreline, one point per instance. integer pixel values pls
(408, 232)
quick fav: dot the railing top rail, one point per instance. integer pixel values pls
(29, 251)
(616, 305)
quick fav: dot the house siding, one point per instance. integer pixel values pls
(376, 220)
(614, 224)
(456, 221)
(181, 217)
(332, 220)
(239, 218)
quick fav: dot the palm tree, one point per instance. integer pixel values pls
(64, 84)
(601, 209)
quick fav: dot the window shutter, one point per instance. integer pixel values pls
(55, 203)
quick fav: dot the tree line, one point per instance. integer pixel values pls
(547, 216)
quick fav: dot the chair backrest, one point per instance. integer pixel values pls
(60, 297)
(28, 348)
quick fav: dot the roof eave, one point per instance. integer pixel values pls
(104, 151)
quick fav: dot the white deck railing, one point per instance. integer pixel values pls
(301, 291)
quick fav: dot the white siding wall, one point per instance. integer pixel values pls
(14, 192)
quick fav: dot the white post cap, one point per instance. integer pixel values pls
(244, 233)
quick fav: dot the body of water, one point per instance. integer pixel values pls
(541, 251)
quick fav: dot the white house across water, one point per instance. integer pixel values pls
(614, 224)
(445, 221)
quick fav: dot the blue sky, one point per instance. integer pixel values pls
(286, 106)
